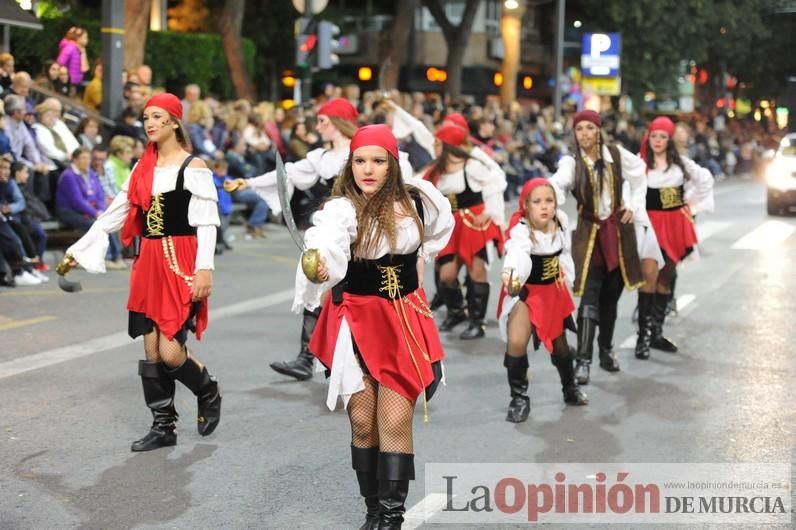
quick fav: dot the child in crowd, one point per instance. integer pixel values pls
(220, 175)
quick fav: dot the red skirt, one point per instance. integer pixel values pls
(161, 295)
(467, 241)
(396, 355)
(549, 305)
(675, 230)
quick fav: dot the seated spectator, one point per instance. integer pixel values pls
(145, 78)
(92, 96)
(255, 224)
(56, 142)
(239, 168)
(35, 212)
(20, 86)
(5, 142)
(12, 206)
(12, 253)
(24, 148)
(128, 124)
(224, 204)
(88, 132)
(72, 55)
(120, 157)
(50, 78)
(6, 71)
(199, 122)
(79, 199)
(301, 141)
(192, 94)
(259, 145)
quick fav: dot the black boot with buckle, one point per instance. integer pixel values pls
(159, 397)
(205, 387)
(365, 462)
(659, 342)
(477, 300)
(605, 340)
(452, 296)
(517, 372)
(645, 301)
(301, 367)
(587, 326)
(573, 395)
(395, 472)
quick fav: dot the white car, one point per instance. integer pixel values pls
(781, 177)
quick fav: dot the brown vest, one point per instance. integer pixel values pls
(585, 235)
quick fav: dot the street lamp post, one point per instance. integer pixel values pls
(559, 56)
(511, 31)
(112, 56)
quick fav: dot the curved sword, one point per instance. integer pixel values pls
(284, 201)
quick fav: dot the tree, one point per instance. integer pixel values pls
(136, 24)
(456, 38)
(230, 24)
(398, 39)
(189, 15)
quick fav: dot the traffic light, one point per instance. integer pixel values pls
(328, 45)
(306, 42)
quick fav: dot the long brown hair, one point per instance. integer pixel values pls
(440, 165)
(345, 127)
(376, 214)
(583, 184)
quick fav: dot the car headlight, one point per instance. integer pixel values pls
(777, 175)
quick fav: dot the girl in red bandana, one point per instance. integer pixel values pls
(537, 271)
(677, 189)
(170, 205)
(376, 335)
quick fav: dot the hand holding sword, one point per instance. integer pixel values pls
(62, 269)
(312, 263)
(511, 283)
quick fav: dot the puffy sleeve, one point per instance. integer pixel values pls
(698, 187)
(302, 174)
(566, 262)
(405, 124)
(490, 180)
(438, 219)
(203, 214)
(89, 251)
(406, 168)
(334, 230)
(563, 179)
(634, 172)
(518, 252)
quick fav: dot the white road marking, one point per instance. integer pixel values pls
(424, 510)
(117, 340)
(708, 229)
(682, 302)
(765, 236)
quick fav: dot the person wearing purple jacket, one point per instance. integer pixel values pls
(72, 54)
(79, 199)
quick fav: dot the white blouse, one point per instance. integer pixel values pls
(89, 251)
(634, 173)
(335, 229)
(484, 175)
(520, 246)
(698, 189)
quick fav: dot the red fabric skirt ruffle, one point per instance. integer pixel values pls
(549, 305)
(159, 293)
(383, 341)
(675, 232)
(466, 242)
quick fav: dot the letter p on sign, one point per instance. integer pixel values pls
(600, 42)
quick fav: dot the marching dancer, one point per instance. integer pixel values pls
(475, 189)
(537, 268)
(677, 188)
(612, 235)
(376, 334)
(169, 203)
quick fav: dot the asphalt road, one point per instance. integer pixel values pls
(71, 401)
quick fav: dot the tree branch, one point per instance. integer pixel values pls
(438, 12)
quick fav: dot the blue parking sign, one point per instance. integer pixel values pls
(600, 57)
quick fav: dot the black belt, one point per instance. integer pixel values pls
(388, 277)
(544, 269)
(670, 198)
(466, 199)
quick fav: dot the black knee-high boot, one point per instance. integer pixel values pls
(573, 395)
(517, 372)
(605, 340)
(452, 296)
(659, 342)
(587, 326)
(205, 387)
(477, 300)
(437, 301)
(365, 462)
(159, 397)
(645, 301)
(301, 367)
(395, 472)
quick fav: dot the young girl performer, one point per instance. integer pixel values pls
(677, 188)
(171, 203)
(611, 238)
(475, 191)
(537, 268)
(376, 333)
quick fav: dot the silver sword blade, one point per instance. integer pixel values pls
(284, 202)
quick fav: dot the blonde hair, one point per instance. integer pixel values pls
(199, 112)
(119, 143)
(344, 126)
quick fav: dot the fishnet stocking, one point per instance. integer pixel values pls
(171, 352)
(519, 330)
(560, 347)
(362, 414)
(665, 276)
(151, 346)
(395, 414)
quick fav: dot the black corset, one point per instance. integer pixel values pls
(168, 212)
(466, 199)
(670, 198)
(389, 277)
(544, 269)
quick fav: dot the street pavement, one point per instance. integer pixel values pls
(71, 399)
